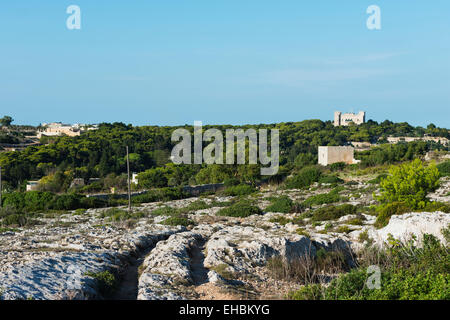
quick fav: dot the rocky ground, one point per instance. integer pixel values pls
(65, 254)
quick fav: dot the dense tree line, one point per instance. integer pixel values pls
(102, 152)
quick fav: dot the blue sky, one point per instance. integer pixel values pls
(172, 62)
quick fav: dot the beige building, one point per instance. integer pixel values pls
(330, 155)
(59, 129)
(344, 119)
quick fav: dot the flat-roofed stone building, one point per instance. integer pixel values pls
(330, 155)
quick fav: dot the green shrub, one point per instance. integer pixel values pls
(409, 183)
(240, 209)
(364, 236)
(280, 220)
(343, 229)
(304, 178)
(330, 197)
(116, 214)
(446, 233)
(65, 202)
(338, 166)
(106, 282)
(79, 212)
(330, 179)
(19, 220)
(91, 202)
(407, 273)
(178, 221)
(358, 221)
(195, 206)
(10, 216)
(303, 232)
(378, 179)
(164, 211)
(444, 168)
(437, 206)
(333, 212)
(395, 285)
(281, 204)
(29, 201)
(231, 182)
(386, 211)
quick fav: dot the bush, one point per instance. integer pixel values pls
(330, 197)
(164, 211)
(195, 206)
(397, 208)
(91, 202)
(106, 282)
(409, 183)
(116, 214)
(65, 202)
(178, 221)
(444, 168)
(281, 204)
(386, 211)
(240, 209)
(333, 212)
(230, 182)
(280, 220)
(79, 212)
(408, 272)
(19, 220)
(308, 269)
(338, 166)
(378, 179)
(10, 216)
(304, 178)
(30, 201)
(330, 179)
(437, 206)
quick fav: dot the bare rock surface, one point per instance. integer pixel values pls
(404, 227)
(219, 257)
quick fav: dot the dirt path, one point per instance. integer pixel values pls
(128, 285)
(198, 270)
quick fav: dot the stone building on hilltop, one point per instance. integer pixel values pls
(344, 119)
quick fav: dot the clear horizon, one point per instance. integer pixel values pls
(227, 62)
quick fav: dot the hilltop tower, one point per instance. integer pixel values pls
(344, 119)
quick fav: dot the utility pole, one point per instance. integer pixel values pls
(129, 190)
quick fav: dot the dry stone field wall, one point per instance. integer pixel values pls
(217, 257)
